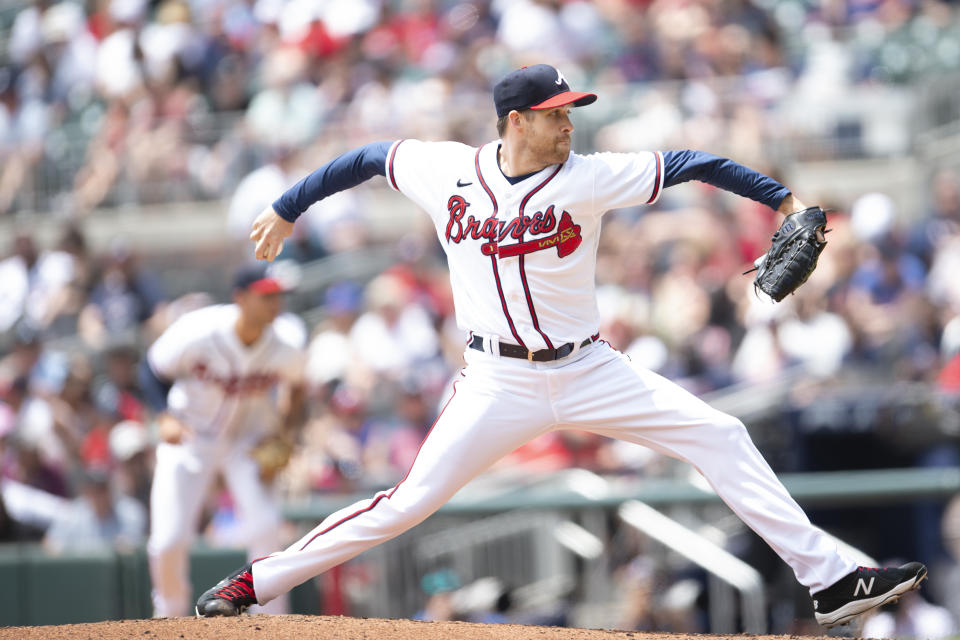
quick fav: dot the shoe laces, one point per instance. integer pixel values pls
(238, 588)
(883, 572)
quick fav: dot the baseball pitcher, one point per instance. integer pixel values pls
(519, 219)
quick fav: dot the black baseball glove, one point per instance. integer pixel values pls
(793, 253)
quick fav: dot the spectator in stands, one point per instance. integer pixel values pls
(636, 593)
(10, 529)
(942, 285)
(116, 391)
(120, 72)
(286, 110)
(394, 334)
(40, 456)
(486, 600)
(943, 217)
(98, 520)
(814, 322)
(124, 298)
(30, 119)
(132, 453)
(25, 351)
(413, 416)
(948, 379)
(74, 413)
(104, 161)
(439, 587)
(16, 274)
(341, 436)
(67, 284)
(25, 512)
(330, 355)
(37, 284)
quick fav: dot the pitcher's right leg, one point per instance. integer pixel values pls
(487, 417)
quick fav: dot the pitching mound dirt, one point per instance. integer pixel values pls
(263, 627)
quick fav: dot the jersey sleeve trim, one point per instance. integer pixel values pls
(658, 180)
(391, 178)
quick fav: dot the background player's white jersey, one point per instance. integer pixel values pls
(222, 387)
(522, 256)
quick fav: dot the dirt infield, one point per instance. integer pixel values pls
(335, 628)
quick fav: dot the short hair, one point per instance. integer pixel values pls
(502, 124)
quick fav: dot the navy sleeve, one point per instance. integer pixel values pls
(343, 172)
(681, 166)
(154, 388)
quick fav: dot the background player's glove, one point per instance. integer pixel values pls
(793, 253)
(272, 454)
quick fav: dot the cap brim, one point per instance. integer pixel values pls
(266, 285)
(576, 98)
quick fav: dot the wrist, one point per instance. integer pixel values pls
(281, 210)
(790, 204)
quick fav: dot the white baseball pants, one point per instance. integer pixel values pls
(499, 404)
(181, 481)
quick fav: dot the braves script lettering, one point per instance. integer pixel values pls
(234, 384)
(461, 226)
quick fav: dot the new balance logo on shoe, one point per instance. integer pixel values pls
(871, 588)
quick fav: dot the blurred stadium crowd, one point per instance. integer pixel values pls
(133, 102)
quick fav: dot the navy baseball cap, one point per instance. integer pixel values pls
(256, 277)
(538, 87)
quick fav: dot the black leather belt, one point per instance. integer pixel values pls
(543, 355)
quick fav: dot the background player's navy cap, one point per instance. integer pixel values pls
(538, 87)
(256, 277)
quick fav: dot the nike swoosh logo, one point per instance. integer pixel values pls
(461, 183)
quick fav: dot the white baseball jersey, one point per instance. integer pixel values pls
(221, 386)
(522, 256)
(522, 261)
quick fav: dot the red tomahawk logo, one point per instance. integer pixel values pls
(566, 240)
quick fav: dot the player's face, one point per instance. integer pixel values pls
(260, 308)
(548, 136)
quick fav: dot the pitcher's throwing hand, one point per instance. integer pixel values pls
(268, 232)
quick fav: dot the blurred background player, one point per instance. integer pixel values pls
(224, 377)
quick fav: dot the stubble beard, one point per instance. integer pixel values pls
(557, 152)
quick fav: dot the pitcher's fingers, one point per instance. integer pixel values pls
(260, 253)
(275, 249)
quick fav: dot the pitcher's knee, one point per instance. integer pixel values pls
(731, 427)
